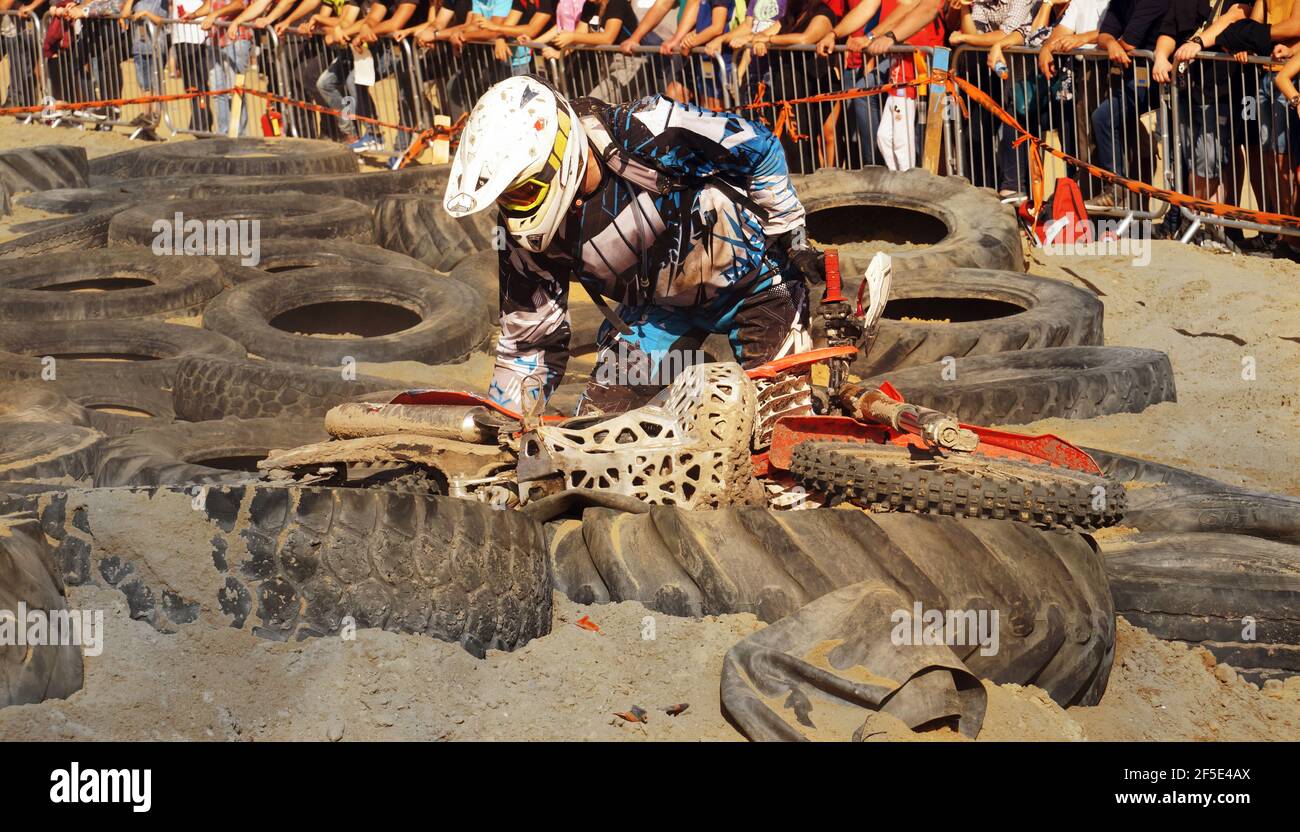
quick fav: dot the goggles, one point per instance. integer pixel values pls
(525, 196)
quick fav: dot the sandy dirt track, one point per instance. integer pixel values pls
(209, 683)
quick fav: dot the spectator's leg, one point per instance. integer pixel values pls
(408, 103)
(866, 114)
(23, 90)
(330, 86)
(76, 63)
(365, 105)
(1009, 177)
(1113, 122)
(144, 79)
(240, 52)
(896, 135)
(315, 61)
(195, 77)
(117, 46)
(1270, 176)
(220, 77)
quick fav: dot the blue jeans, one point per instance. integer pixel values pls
(146, 74)
(334, 83)
(1115, 121)
(232, 60)
(1279, 128)
(866, 111)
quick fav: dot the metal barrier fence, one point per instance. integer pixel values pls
(1219, 130)
(1236, 138)
(21, 62)
(840, 133)
(606, 73)
(1114, 118)
(353, 82)
(87, 60)
(192, 60)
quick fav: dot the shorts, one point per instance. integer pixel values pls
(1203, 134)
(1279, 127)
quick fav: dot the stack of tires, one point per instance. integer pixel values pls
(201, 304)
(965, 331)
(206, 302)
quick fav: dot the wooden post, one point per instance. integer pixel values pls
(935, 113)
(440, 147)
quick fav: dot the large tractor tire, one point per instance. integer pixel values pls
(369, 187)
(243, 157)
(33, 673)
(108, 283)
(411, 315)
(144, 352)
(287, 254)
(288, 563)
(43, 168)
(1237, 595)
(218, 388)
(417, 225)
(1057, 620)
(959, 226)
(80, 233)
(958, 313)
(1014, 388)
(278, 215)
(224, 450)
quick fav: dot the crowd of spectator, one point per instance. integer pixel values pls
(1238, 117)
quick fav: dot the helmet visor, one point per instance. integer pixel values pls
(525, 196)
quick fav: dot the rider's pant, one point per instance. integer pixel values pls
(630, 370)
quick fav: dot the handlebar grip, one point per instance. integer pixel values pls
(832, 263)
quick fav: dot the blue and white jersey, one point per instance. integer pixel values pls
(695, 246)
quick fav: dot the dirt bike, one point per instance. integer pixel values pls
(719, 435)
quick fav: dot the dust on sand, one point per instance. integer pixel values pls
(1237, 417)
(205, 682)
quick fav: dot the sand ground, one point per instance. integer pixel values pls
(1216, 315)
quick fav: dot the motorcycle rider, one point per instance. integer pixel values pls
(685, 217)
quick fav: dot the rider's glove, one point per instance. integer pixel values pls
(809, 261)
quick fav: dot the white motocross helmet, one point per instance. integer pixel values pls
(523, 149)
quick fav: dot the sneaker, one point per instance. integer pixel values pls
(368, 143)
(395, 162)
